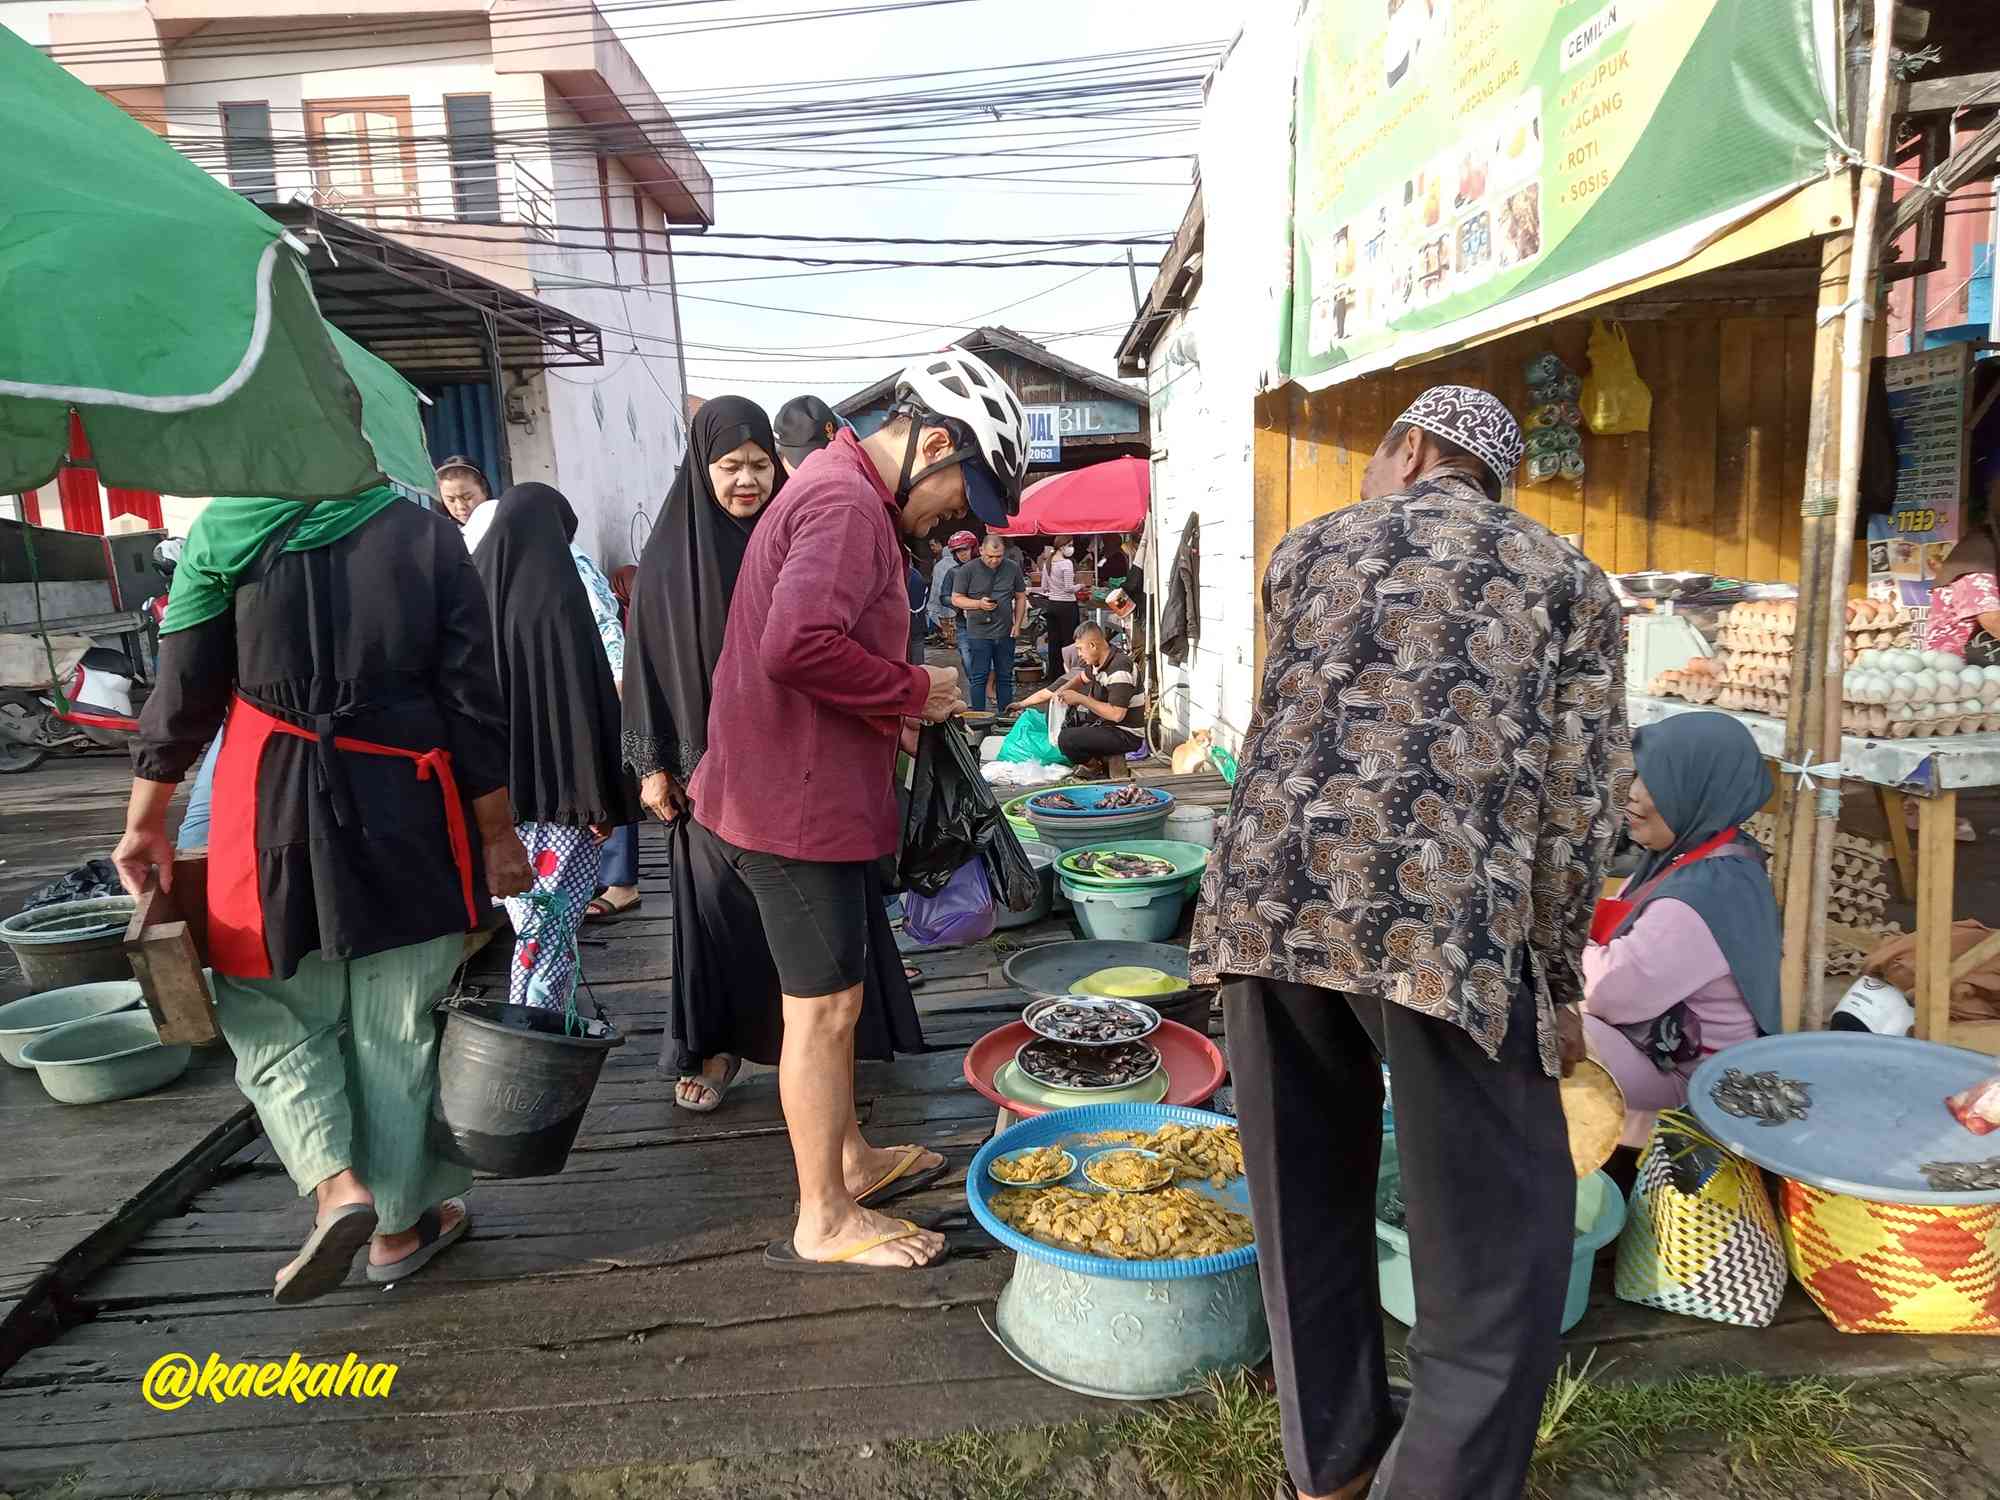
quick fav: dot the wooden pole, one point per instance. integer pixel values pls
(1856, 346)
(1804, 714)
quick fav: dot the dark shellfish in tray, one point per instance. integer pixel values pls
(1119, 864)
(1063, 1067)
(1962, 1176)
(1763, 1097)
(1091, 1022)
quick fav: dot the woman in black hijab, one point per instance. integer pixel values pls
(569, 787)
(726, 1001)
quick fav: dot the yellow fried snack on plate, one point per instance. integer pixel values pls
(1595, 1108)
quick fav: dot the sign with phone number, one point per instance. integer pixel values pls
(1927, 392)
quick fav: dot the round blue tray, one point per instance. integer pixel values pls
(1877, 1113)
(1063, 1127)
(1090, 796)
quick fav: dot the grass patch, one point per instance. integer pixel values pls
(1221, 1445)
(1779, 1432)
(1224, 1444)
(1005, 1465)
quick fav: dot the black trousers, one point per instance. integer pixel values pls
(1491, 1198)
(1097, 740)
(1063, 617)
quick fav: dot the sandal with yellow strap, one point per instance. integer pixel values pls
(903, 1178)
(783, 1255)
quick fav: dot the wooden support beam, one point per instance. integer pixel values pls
(1937, 847)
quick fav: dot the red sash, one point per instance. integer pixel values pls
(1611, 911)
(236, 942)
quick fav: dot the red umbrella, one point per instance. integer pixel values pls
(1105, 497)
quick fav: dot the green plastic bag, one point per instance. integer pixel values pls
(1029, 740)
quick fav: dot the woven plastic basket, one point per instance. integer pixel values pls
(1892, 1267)
(1701, 1237)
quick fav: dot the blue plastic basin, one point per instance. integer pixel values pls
(1392, 1246)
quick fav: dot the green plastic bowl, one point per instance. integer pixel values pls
(103, 1058)
(25, 1019)
(1187, 859)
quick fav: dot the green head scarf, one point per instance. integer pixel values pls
(229, 537)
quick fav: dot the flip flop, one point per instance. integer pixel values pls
(913, 977)
(327, 1255)
(601, 910)
(901, 1178)
(432, 1238)
(782, 1255)
(717, 1091)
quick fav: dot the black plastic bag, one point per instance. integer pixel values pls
(953, 816)
(87, 882)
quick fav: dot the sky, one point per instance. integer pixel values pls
(1116, 200)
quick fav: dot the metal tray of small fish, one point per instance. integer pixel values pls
(1850, 1113)
(1131, 1020)
(1058, 1065)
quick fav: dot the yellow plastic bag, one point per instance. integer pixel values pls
(1614, 399)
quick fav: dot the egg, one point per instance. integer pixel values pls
(1875, 688)
(1868, 661)
(1970, 681)
(1902, 713)
(1902, 688)
(1943, 660)
(1926, 685)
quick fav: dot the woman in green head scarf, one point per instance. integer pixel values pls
(360, 822)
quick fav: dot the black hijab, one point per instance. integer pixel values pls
(680, 603)
(562, 706)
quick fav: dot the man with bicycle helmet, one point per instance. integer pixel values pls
(811, 696)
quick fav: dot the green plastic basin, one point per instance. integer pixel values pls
(105, 1057)
(25, 1019)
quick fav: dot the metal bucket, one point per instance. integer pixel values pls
(1131, 1340)
(71, 942)
(512, 1087)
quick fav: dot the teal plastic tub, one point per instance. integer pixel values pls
(1600, 1214)
(1151, 915)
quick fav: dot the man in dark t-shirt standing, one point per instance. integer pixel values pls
(993, 592)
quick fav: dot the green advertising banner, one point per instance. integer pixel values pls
(1463, 164)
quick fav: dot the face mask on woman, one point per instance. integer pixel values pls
(1069, 552)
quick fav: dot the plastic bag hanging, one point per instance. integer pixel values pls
(1614, 399)
(961, 913)
(952, 818)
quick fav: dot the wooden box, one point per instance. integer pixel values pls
(167, 943)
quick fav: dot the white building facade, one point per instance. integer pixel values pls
(517, 142)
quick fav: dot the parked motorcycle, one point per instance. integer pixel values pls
(101, 702)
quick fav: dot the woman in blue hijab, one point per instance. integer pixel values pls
(1684, 961)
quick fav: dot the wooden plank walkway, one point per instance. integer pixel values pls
(619, 1313)
(73, 1180)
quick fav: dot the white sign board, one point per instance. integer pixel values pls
(1044, 434)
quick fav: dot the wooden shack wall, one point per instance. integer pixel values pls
(1714, 487)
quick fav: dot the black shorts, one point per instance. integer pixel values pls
(815, 917)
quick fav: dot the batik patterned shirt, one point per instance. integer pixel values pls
(1436, 769)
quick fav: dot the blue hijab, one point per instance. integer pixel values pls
(1705, 773)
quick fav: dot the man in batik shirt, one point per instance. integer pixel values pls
(1426, 803)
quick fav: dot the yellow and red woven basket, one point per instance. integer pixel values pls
(1893, 1267)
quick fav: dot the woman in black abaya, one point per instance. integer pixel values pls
(569, 787)
(726, 1002)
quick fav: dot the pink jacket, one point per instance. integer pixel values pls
(814, 681)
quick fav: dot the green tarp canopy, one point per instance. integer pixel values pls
(169, 311)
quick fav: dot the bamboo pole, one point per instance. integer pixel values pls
(1804, 715)
(1856, 348)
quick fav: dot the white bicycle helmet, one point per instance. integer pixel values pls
(963, 389)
